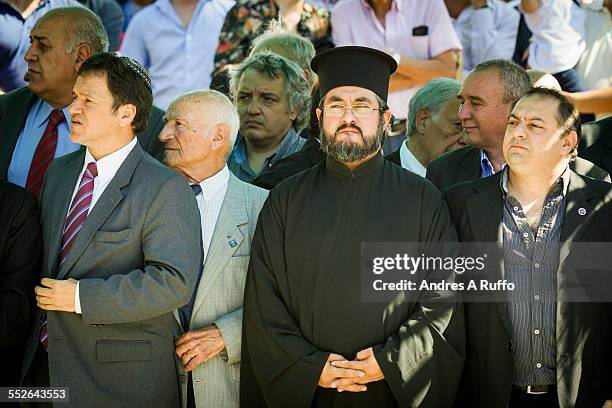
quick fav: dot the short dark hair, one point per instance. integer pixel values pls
(128, 83)
(513, 77)
(567, 116)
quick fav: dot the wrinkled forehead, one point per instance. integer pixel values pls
(351, 94)
(53, 28)
(536, 107)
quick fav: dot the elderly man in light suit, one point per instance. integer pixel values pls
(200, 130)
(121, 235)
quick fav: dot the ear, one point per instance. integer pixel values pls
(318, 111)
(126, 114)
(221, 136)
(83, 52)
(570, 142)
(422, 119)
(387, 119)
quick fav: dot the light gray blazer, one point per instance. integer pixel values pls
(220, 293)
(136, 258)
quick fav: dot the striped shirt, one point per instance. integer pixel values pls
(531, 260)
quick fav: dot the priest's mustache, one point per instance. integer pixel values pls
(352, 127)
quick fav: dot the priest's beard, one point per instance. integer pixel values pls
(348, 152)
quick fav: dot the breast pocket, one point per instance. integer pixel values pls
(114, 236)
(420, 46)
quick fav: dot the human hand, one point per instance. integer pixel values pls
(198, 346)
(56, 295)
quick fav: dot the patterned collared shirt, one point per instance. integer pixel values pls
(248, 19)
(531, 261)
(486, 168)
(238, 161)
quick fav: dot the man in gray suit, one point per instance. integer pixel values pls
(198, 137)
(121, 236)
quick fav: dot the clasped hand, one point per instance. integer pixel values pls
(346, 375)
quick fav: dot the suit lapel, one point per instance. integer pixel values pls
(232, 214)
(13, 120)
(485, 214)
(112, 196)
(579, 210)
(470, 168)
(62, 188)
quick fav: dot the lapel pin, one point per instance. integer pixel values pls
(581, 211)
(233, 243)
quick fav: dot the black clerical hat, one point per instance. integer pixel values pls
(354, 66)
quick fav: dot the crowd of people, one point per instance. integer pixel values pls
(187, 189)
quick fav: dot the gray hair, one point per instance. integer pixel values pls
(219, 109)
(297, 89)
(513, 77)
(432, 97)
(84, 27)
(299, 49)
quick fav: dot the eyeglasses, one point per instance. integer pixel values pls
(360, 111)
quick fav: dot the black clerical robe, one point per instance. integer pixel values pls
(303, 294)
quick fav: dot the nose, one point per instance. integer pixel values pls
(253, 107)
(519, 131)
(166, 133)
(74, 107)
(348, 116)
(30, 54)
(465, 111)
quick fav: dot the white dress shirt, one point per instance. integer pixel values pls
(210, 202)
(107, 168)
(410, 162)
(487, 33)
(558, 35)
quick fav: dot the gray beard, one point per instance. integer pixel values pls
(352, 152)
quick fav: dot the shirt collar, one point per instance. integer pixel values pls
(284, 146)
(108, 165)
(562, 182)
(395, 5)
(410, 161)
(485, 165)
(372, 165)
(212, 185)
(43, 110)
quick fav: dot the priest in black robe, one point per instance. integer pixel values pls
(309, 338)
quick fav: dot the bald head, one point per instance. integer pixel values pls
(540, 79)
(200, 131)
(81, 27)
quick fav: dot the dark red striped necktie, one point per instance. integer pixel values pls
(44, 153)
(77, 214)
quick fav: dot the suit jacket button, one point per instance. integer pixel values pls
(509, 346)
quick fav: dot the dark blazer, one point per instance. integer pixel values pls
(308, 156)
(20, 255)
(14, 109)
(463, 164)
(583, 330)
(596, 143)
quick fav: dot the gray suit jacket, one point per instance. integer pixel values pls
(14, 109)
(220, 293)
(136, 258)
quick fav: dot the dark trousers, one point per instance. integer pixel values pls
(37, 376)
(520, 399)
